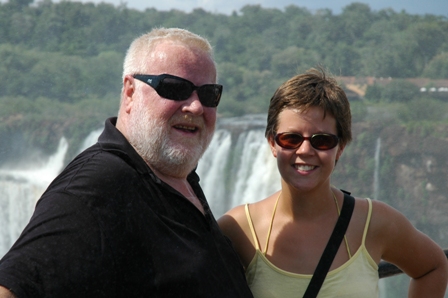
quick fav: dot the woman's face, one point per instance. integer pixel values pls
(306, 168)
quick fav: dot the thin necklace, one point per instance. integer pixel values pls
(272, 221)
(345, 237)
(270, 226)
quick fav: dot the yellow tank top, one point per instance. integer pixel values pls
(358, 277)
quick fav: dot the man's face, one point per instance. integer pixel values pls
(172, 135)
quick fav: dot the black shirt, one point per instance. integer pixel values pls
(108, 227)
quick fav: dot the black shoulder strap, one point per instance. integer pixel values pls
(332, 248)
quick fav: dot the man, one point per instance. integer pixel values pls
(127, 217)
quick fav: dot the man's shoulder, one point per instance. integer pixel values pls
(95, 172)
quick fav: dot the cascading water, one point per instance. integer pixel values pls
(376, 174)
(238, 167)
(19, 190)
(90, 140)
(376, 189)
(21, 187)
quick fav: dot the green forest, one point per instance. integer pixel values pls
(61, 67)
(61, 62)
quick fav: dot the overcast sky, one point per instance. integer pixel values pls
(437, 7)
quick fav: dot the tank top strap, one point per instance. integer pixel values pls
(270, 225)
(252, 229)
(251, 225)
(369, 216)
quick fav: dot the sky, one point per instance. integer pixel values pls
(435, 7)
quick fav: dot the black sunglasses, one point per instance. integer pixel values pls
(176, 88)
(320, 141)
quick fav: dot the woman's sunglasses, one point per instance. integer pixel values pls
(290, 140)
(176, 88)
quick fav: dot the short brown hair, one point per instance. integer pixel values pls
(314, 88)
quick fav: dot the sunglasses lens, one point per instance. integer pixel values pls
(318, 141)
(209, 95)
(324, 141)
(174, 89)
(179, 90)
(289, 140)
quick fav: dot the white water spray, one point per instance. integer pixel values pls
(238, 166)
(21, 187)
(376, 189)
(20, 190)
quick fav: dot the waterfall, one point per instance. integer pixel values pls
(376, 189)
(19, 190)
(238, 167)
(90, 139)
(376, 174)
(21, 187)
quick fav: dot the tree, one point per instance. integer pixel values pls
(394, 57)
(437, 68)
(15, 65)
(373, 93)
(344, 60)
(428, 38)
(399, 91)
(58, 77)
(20, 3)
(421, 109)
(293, 60)
(354, 21)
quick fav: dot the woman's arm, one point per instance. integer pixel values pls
(234, 225)
(431, 279)
(412, 251)
(5, 293)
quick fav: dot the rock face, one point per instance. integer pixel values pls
(412, 173)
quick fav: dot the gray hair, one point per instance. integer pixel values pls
(138, 53)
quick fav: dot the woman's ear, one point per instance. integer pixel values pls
(339, 153)
(271, 142)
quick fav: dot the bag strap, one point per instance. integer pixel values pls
(332, 247)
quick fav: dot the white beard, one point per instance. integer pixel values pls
(149, 137)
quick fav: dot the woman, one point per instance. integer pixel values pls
(280, 239)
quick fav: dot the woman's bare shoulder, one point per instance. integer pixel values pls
(238, 217)
(235, 225)
(5, 293)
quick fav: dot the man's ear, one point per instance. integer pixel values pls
(128, 93)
